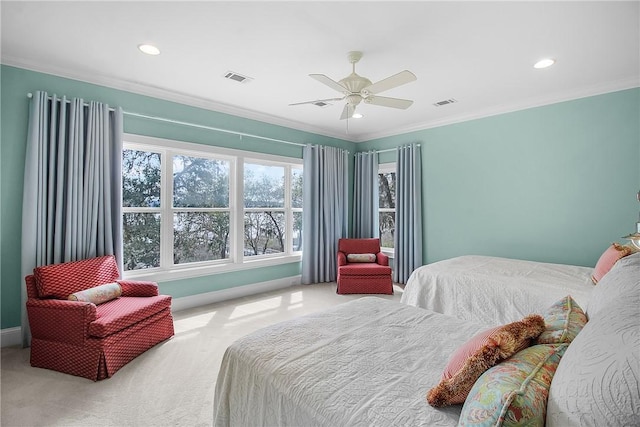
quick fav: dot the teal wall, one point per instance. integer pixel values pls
(16, 83)
(553, 184)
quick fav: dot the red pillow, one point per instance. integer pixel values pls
(479, 354)
(460, 356)
(608, 259)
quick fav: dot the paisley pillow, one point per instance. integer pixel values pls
(514, 392)
(563, 320)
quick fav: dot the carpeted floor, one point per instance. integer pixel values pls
(170, 385)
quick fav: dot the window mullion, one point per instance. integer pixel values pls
(288, 237)
(238, 212)
(128, 209)
(166, 218)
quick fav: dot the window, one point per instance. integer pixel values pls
(141, 176)
(387, 204)
(200, 211)
(296, 208)
(180, 211)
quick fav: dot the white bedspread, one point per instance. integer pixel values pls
(367, 362)
(493, 290)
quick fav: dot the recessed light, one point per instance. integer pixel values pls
(357, 116)
(544, 63)
(149, 49)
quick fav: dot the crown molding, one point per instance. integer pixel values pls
(194, 101)
(168, 95)
(598, 89)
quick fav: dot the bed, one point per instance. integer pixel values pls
(493, 290)
(370, 362)
(366, 362)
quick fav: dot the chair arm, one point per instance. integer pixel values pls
(60, 320)
(138, 288)
(382, 259)
(342, 258)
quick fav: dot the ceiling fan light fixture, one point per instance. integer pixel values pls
(357, 116)
(357, 89)
(544, 63)
(149, 49)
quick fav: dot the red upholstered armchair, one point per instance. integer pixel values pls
(86, 339)
(362, 268)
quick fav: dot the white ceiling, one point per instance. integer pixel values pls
(480, 53)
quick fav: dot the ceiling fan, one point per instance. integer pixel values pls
(358, 89)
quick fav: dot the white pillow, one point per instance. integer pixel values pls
(597, 380)
(361, 257)
(622, 279)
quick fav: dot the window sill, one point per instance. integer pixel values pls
(178, 273)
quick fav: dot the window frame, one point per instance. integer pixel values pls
(237, 261)
(386, 168)
(287, 209)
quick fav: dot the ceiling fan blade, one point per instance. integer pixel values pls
(396, 80)
(348, 111)
(389, 102)
(329, 82)
(318, 100)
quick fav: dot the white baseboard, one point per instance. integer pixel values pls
(198, 300)
(13, 336)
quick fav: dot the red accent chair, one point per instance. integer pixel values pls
(363, 277)
(88, 340)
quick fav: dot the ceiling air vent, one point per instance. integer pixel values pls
(445, 102)
(237, 77)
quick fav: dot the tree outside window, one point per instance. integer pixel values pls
(267, 204)
(264, 219)
(296, 208)
(141, 197)
(184, 208)
(200, 209)
(387, 205)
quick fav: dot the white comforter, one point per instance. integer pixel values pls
(493, 290)
(367, 362)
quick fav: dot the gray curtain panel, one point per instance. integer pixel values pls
(72, 203)
(365, 195)
(324, 218)
(408, 237)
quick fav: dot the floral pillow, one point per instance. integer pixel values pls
(361, 257)
(98, 294)
(479, 354)
(514, 392)
(563, 320)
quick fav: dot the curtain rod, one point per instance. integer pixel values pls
(179, 122)
(241, 134)
(385, 150)
(195, 125)
(68, 101)
(389, 149)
